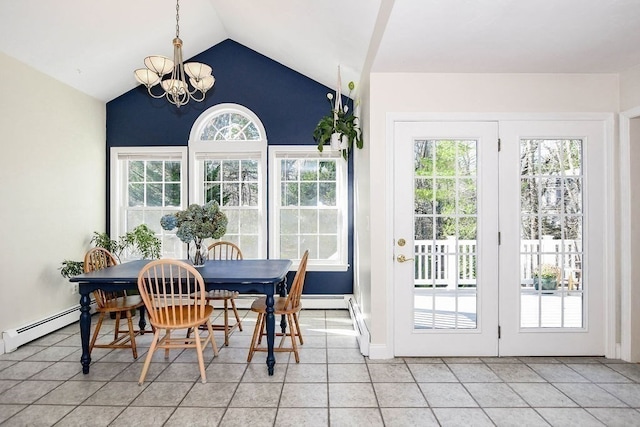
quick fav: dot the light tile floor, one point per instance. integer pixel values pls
(41, 384)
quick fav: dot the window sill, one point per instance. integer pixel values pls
(321, 267)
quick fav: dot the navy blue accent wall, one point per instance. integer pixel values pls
(288, 104)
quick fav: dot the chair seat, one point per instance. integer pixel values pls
(128, 302)
(220, 294)
(169, 317)
(226, 296)
(259, 305)
(112, 303)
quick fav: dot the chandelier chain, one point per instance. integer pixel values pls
(178, 19)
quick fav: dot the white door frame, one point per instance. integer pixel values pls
(610, 308)
(629, 347)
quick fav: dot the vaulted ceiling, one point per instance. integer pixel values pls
(94, 46)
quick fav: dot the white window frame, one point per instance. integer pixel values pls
(279, 152)
(119, 189)
(200, 150)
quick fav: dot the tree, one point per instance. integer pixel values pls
(445, 189)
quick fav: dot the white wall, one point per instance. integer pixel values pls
(362, 189)
(456, 93)
(630, 88)
(52, 175)
(630, 201)
(634, 294)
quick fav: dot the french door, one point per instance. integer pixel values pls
(552, 216)
(446, 238)
(498, 252)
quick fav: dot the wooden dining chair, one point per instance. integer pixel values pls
(118, 303)
(288, 306)
(225, 251)
(173, 294)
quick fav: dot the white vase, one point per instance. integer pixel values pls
(339, 141)
(198, 253)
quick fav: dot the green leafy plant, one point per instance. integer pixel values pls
(341, 125)
(141, 240)
(71, 268)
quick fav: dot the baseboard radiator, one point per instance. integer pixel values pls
(14, 338)
(362, 332)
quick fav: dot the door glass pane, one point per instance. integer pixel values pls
(551, 288)
(445, 232)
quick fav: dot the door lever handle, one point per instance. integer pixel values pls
(402, 258)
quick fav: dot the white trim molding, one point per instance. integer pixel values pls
(611, 347)
(629, 341)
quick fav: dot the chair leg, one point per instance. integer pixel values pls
(96, 331)
(298, 331)
(132, 335)
(235, 312)
(213, 339)
(263, 332)
(198, 339)
(226, 322)
(292, 333)
(166, 349)
(147, 361)
(116, 332)
(257, 331)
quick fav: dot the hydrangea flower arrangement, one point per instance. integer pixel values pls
(196, 223)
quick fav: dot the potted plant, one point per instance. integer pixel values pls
(546, 277)
(340, 127)
(140, 241)
(195, 224)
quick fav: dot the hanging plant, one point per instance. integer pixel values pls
(340, 127)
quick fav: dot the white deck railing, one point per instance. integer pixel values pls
(450, 262)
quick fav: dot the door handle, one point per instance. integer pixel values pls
(402, 258)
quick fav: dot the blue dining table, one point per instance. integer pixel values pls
(262, 276)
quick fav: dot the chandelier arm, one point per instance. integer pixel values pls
(192, 94)
(176, 87)
(153, 95)
(177, 99)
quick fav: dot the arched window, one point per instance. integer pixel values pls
(227, 163)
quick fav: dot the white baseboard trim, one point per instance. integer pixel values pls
(380, 351)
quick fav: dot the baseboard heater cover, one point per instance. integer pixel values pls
(14, 338)
(362, 332)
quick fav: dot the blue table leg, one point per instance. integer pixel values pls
(85, 329)
(143, 322)
(271, 332)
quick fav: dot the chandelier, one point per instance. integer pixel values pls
(175, 88)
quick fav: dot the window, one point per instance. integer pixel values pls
(147, 183)
(228, 162)
(308, 199)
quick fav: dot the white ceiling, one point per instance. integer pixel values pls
(94, 46)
